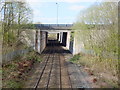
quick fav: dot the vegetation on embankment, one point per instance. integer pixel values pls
(97, 29)
(15, 17)
(14, 73)
(104, 71)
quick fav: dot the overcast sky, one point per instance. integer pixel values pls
(68, 10)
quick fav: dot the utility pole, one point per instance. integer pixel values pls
(57, 13)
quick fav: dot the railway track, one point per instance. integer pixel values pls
(40, 81)
(53, 70)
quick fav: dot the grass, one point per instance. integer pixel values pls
(75, 58)
(33, 55)
(105, 69)
(11, 66)
(0, 70)
(14, 84)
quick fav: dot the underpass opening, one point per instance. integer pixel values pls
(52, 36)
(52, 39)
(57, 39)
(61, 37)
(56, 47)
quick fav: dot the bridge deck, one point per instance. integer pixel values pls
(54, 26)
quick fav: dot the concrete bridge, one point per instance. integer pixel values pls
(62, 31)
(42, 30)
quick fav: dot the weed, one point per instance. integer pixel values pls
(75, 58)
(13, 84)
(11, 66)
(34, 56)
(1, 71)
(31, 56)
(39, 59)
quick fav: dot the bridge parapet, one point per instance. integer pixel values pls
(54, 26)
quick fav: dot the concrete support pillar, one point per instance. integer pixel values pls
(42, 40)
(64, 39)
(61, 36)
(46, 38)
(68, 40)
(74, 47)
(36, 40)
(39, 41)
(57, 36)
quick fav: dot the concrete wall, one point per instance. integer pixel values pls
(10, 56)
(74, 44)
(26, 37)
(71, 42)
(71, 47)
(77, 46)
